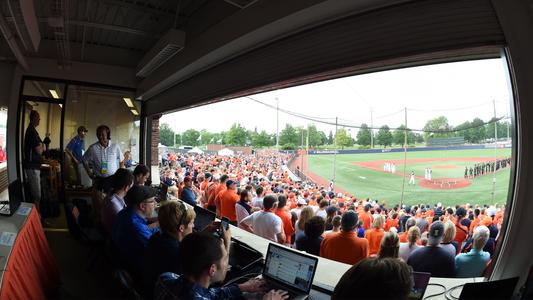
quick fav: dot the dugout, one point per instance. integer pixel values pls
(226, 49)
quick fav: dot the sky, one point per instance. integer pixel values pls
(459, 91)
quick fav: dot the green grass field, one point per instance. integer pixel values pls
(364, 182)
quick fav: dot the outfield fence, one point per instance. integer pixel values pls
(392, 150)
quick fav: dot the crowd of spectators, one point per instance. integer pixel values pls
(257, 193)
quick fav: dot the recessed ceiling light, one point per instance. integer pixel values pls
(134, 111)
(128, 101)
(54, 94)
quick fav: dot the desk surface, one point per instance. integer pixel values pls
(329, 272)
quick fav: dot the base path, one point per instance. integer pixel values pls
(301, 161)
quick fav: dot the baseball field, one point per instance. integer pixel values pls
(363, 175)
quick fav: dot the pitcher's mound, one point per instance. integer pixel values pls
(445, 183)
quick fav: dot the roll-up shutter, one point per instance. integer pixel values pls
(403, 30)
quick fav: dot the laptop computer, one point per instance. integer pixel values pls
(420, 281)
(289, 270)
(9, 206)
(497, 289)
(203, 218)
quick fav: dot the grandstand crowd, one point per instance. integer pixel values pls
(259, 194)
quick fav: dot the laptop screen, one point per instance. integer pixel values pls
(289, 267)
(203, 218)
(420, 281)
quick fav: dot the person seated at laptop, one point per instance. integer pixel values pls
(375, 278)
(345, 246)
(176, 221)
(121, 183)
(310, 240)
(204, 260)
(473, 263)
(265, 223)
(131, 231)
(433, 258)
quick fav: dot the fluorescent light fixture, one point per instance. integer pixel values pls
(129, 103)
(54, 94)
(134, 112)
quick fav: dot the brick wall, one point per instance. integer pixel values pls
(155, 140)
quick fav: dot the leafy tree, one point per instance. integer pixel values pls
(343, 138)
(437, 124)
(166, 135)
(315, 139)
(419, 138)
(288, 146)
(464, 131)
(236, 135)
(289, 135)
(364, 135)
(262, 139)
(302, 136)
(384, 136)
(477, 131)
(323, 138)
(330, 138)
(191, 137)
(206, 137)
(398, 137)
(501, 127)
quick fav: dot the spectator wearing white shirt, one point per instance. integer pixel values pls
(265, 223)
(321, 212)
(122, 182)
(258, 200)
(103, 158)
(413, 236)
(299, 206)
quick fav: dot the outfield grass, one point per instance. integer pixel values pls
(363, 182)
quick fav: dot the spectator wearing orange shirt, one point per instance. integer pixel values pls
(366, 217)
(375, 235)
(286, 217)
(228, 199)
(408, 224)
(345, 246)
(218, 191)
(392, 222)
(210, 194)
(476, 220)
(461, 230)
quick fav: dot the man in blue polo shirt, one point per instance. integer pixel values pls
(77, 145)
(473, 263)
(131, 231)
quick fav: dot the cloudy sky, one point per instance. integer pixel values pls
(460, 91)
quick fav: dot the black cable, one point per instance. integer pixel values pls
(438, 294)
(449, 295)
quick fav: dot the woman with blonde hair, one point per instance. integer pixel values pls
(390, 245)
(306, 214)
(413, 236)
(375, 235)
(449, 235)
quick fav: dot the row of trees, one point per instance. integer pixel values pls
(292, 137)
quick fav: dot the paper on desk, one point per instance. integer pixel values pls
(23, 211)
(7, 239)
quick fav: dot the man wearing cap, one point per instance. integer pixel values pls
(345, 246)
(228, 199)
(131, 231)
(433, 258)
(473, 263)
(187, 194)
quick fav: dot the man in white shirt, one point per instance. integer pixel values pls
(258, 200)
(266, 223)
(103, 158)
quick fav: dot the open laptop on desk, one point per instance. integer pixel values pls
(203, 218)
(9, 206)
(420, 281)
(289, 270)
